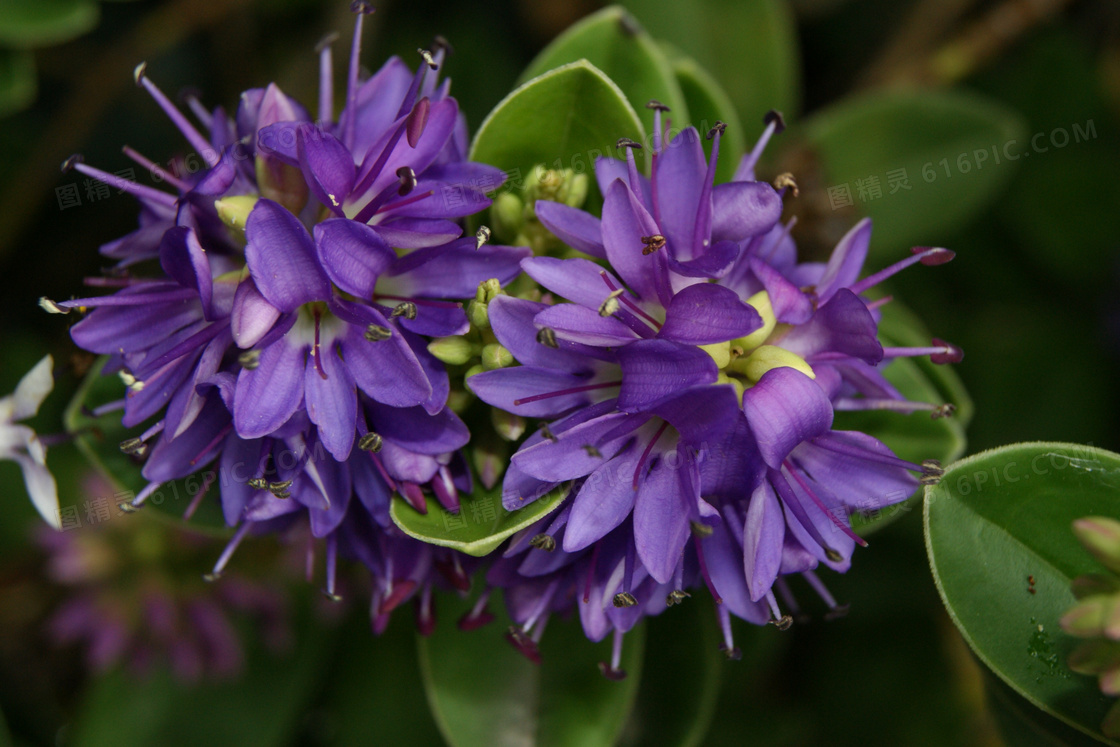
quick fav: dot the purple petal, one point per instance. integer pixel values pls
(568, 457)
(416, 233)
(281, 258)
(681, 168)
(705, 313)
(506, 386)
(790, 304)
(604, 501)
(184, 260)
(661, 514)
(625, 223)
(408, 466)
(173, 458)
(332, 403)
(783, 409)
(579, 230)
(512, 321)
(253, 316)
(113, 329)
(763, 537)
(715, 262)
(846, 261)
(861, 484)
(353, 255)
(582, 325)
(416, 430)
(842, 326)
(327, 165)
(723, 557)
(741, 210)
(335, 479)
(242, 460)
(607, 170)
(437, 319)
(654, 369)
(578, 280)
(702, 415)
(270, 393)
(452, 271)
(386, 370)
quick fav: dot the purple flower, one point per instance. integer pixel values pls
(688, 386)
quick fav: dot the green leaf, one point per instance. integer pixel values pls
(484, 692)
(36, 23)
(614, 42)
(481, 524)
(564, 119)
(707, 104)
(999, 520)
(261, 708)
(681, 676)
(942, 142)
(749, 47)
(18, 82)
(916, 436)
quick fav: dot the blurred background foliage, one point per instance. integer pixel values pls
(867, 86)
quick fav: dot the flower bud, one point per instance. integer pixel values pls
(454, 351)
(1101, 537)
(496, 356)
(234, 211)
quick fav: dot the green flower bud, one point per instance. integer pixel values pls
(509, 426)
(496, 356)
(507, 215)
(234, 211)
(1101, 537)
(281, 183)
(454, 351)
(578, 185)
(478, 316)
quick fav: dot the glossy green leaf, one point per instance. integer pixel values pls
(681, 676)
(36, 23)
(749, 47)
(18, 81)
(707, 104)
(484, 693)
(565, 118)
(259, 709)
(999, 520)
(614, 41)
(941, 142)
(916, 436)
(481, 524)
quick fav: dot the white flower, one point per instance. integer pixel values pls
(20, 443)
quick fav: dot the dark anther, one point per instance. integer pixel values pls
(657, 106)
(782, 623)
(700, 529)
(428, 59)
(134, 446)
(652, 243)
(733, 654)
(676, 596)
(440, 42)
(326, 41)
(951, 354)
(543, 542)
(127, 507)
(929, 479)
(832, 555)
(481, 236)
(624, 599)
(786, 180)
(139, 72)
(610, 303)
(837, 612)
(211, 577)
(376, 333)
(615, 675)
(258, 483)
(361, 6)
(592, 451)
(280, 489)
(943, 411)
(407, 309)
(51, 307)
(189, 92)
(625, 142)
(547, 337)
(332, 596)
(547, 433)
(932, 467)
(775, 116)
(719, 127)
(370, 442)
(250, 359)
(408, 180)
(72, 161)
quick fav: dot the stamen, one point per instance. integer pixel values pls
(547, 433)
(377, 333)
(250, 359)
(849, 404)
(371, 442)
(134, 447)
(408, 180)
(624, 599)
(872, 305)
(543, 542)
(791, 503)
(190, 95)
(777, 619)
(208, 152)
(481, 236)
(562, 392)
(702, 230)
(612, 671)
(700, 529)
(629, 303)
(728, 647)
(316, 352)
(658, 108)
(407, 309)
(704, 569)
(195, 341)
(213, 443)
(791, 601)
(332, 567)
(107, 408)
(927, 256)
(207, 480)
(281, 489)
(610, 303)
(258, 483)
(940, 352)
(676, 596)
(524, 644)
(786, 181)
(51, 307)
(326, 76)
(592, 451)
(547, 336)
(775, 123)
(479, 615)
(139, 191)
(425, 612)
(227, 553)
(361, 8)
(156, 170)
(648, 449)
(835, 611)
(842, 526)
(405, 202)
(718, 129)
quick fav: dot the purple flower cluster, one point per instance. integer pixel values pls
(271, 315)
(687, 385)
